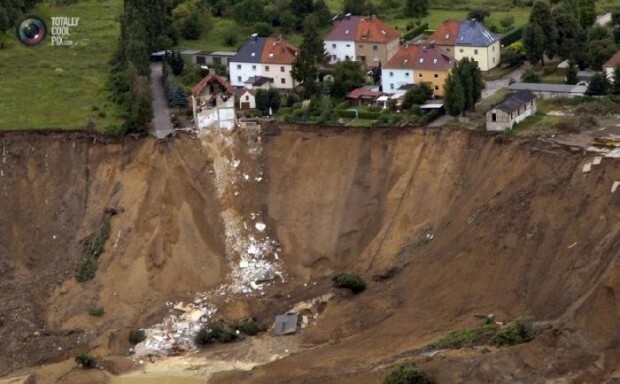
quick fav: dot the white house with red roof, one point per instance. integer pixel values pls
(270, 57)
(610, 65)
(365, 39)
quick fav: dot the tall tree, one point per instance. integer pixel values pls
(417, 95)
(416, 8)
(541, 16)
(248, 12)
(533, 43)
(355, 7)
(601, 46)
(587, 12)
(478, 14)
(615, 89)
(571, 72)
(599, 85)
(311, 53)
(348, 75)
(454, 99)
(567, 28)
(322, 12)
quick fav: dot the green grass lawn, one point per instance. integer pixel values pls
(47, 87)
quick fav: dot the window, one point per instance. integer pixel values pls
(437, 87)
(447, 49)
(334, 46)
(374, 48)
(461, 50)
(281, 69)
(348, 45)
(494, 117)
(475, 51)
(266, 68)
(391, 86)
(493, 48)
(247, 98)
(493, 60)
(334, 57)
(217, 60)
(201, 60)
(420, 75)
(436, 75)
(406, 74)
(283, 81)
(361, 46)
(391, 74)
(239, 79)
(238, 66)
(254, 67)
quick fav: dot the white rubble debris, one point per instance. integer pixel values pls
(597, 160)
(615, 186)
(252, 258)
(587, 167)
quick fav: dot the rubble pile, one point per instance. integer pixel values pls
(252, 256)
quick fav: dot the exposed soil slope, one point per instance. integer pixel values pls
(472, 224)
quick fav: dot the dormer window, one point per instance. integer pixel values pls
(383, 31)
(253, 54)
(447, 36)
(271, 54)
(421, 60)
(434, 61)
(347, 31)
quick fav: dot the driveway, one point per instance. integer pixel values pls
(491, 87)
(161, 124)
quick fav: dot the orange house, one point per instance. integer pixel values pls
(432, 66)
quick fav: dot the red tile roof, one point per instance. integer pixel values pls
(371, 29)
(432, 58)
(446, 33)
(198, 88)
(404, 58)
(278, 51)
(615, 60)
(363, 93)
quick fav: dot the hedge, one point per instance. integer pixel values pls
(512, 36)
(415, 31)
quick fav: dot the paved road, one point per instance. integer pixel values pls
(491, 87)
(161, 125)
(603, 19)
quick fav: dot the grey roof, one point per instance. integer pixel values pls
(545, 87)
(286, 324)
(585, 75)
(475, 34)
(251, 51)
(223, 53)
(432, 104)
(514, 101)
(344, 29)
(258, 81)
(189, 52)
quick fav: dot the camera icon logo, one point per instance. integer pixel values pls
(31, 30)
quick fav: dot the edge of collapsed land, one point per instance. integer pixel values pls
(272, 128)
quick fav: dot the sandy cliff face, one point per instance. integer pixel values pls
(472, 224)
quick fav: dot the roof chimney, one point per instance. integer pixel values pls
(254, 37)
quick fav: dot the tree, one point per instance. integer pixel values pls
(507, 22)
(248, 12)
(454, 99)
(599, 85)
(567, 28)
(571, 72)
(266, 100)
(533, 43)
(311, 53)
(479, 14)
(322, 12)
(470, 77)
(354, 7)
(601, 46)
(586, 9)
(263, 29)
(176, 62)
(179, 98)
(190, 19)
(348, 75)
(529, 76)
(615, 89)
(407, 373)
(417, 95)
(541, 16)
(416, 8)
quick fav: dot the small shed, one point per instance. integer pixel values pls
(246, 98)
(513, 109)
(364, 95)
(286, 324)
(433, 105)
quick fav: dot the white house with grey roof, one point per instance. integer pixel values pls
(513, 109)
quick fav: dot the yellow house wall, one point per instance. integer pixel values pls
(487, 57)
(429, 78)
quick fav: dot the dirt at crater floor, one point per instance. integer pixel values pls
(517, 230)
